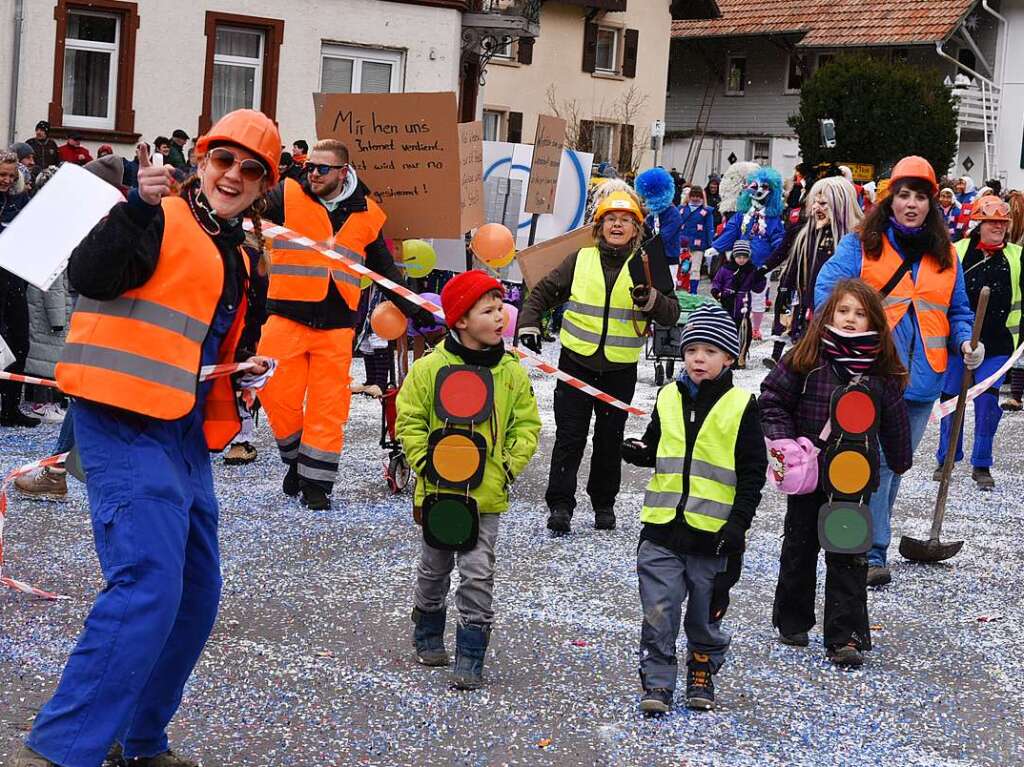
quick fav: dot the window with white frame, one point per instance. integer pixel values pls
(90, 69)
(607, 52)
(504, 50)
(494, 123)
(352, 69)
(736, 76)
(760, 151)
(237, 70)
(603, 142)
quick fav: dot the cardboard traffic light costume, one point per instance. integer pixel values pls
(850, 466)
(457, 456)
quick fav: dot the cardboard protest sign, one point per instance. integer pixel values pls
(471, 172)
(547, 161)
(405, 147)
(538, 260)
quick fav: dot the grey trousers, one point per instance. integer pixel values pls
(475, 592)
(666, 581)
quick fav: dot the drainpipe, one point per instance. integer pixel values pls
(19, 18)
(968, 70)
(1005, 23)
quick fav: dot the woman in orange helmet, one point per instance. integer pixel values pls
(163, 284)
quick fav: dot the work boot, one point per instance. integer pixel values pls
(428, 637)
(46, 483)
(470, 648)
(1012, 405)
(983, 477)
(290, 486)
(879, 575)
(846, 656)
(604, 519)
(166, 759)
(558, 521)
(26, 757)
(798, 639)
(657, 700)
(314, 497)
(700, 687)
(240, 453)
(937, 475)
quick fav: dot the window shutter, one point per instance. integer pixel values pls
(515, 127)
(630, 50)
(589, 46)
(585, 143)
(526, 50)
(625, 148)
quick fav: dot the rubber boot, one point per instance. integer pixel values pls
(428, 637)
(290, 484)
(470, 648)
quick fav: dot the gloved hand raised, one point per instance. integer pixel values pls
(641, 295)
(973, 357)
(530, 338)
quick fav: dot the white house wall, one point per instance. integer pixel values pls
(1010, 135)
(170, 56)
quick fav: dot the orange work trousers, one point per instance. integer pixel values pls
(307, 399)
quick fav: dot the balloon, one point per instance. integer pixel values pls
(438, 324)
(387, 321)
(511, 315)
(494, 245)
(418, 258)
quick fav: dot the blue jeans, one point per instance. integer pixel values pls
(987, 413)
(884, 498)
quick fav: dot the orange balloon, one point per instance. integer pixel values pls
(493, 243)
(387, 321)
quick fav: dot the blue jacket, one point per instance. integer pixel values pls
(925, 384)
(951, 221)
(670, 228)
(698, 226)
(761, 247)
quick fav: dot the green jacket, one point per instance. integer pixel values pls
(511, 435)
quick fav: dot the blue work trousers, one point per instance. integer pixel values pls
(987, 412)
(154, 518)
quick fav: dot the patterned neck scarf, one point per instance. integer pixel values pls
(850, 353)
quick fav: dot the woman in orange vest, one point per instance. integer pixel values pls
(903, 250)
(163, 285)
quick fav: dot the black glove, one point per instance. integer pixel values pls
(635, 452)
(720, 587)
(761, 271)
(530, 338)
(732, 539)
(422, 318)
(641, 295)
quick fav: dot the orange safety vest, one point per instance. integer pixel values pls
(300, 274)
(931, 297)
(142, 351)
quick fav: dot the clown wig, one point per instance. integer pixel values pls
(773, 204)
(844, 215)
(732, 184)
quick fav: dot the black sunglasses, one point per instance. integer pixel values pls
(321, 168)
(224, 160)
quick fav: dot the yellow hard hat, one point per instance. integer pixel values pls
(619, 201)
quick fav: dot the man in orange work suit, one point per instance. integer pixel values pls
(312, 303)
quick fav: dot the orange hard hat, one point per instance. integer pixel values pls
(915, 167)
(990, 208)
(250, 130)
(619, 201)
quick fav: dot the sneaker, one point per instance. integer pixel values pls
(937, 475)
(1012, 405)
(26, 757)
(700, 687)
(240, 453)
(604, 519)
(846, 656)
(47, 412)
(290, 485)
(799, 639)
(45, 483)
(983, 477)
(879, 575)
(314, 497)
(657, 700)
(558, 521)
(166, 759)
(428, 638)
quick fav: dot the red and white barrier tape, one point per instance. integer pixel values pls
(208, 372)
(942, 409)
(18, 378)
(284, 233)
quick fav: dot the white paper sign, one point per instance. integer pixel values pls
(38, 243)
(7, 357)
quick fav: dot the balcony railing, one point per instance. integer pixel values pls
(977, 106)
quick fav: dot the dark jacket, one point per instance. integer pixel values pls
(45, 151)
(751, 467)
(332, 312)
(794, 406)
(733, 285)
(176, 157)
(10, 206)
(555, 288)
(993, 272)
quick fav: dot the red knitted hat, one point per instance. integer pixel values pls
(464, 290)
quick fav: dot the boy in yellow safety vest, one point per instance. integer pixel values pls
(707, 448)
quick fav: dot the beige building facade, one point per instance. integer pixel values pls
(603, 69)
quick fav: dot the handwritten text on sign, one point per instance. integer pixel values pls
(547, 159)
(405, 148)
(471, 170)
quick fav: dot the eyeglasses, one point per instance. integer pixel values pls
(224, 160)
(322, 169)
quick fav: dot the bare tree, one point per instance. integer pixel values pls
(569, 110)
(626, 109)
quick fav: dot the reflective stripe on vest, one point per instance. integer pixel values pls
(931, 296)
(142, 350)
(1012, 253)
(300, 274)
(583, 324)
(712, 465)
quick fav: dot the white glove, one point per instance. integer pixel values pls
(973, 358)
(709, 255)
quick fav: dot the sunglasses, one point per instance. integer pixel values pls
(224, 160)
(322, 169)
